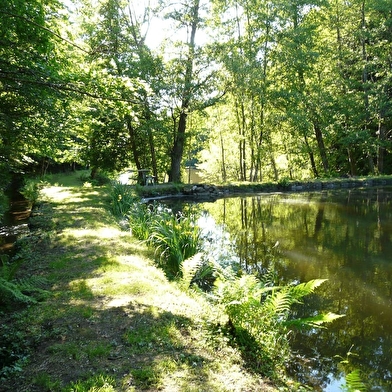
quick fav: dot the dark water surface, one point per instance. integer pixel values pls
(344, 236)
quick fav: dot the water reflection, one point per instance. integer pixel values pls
(344, 236)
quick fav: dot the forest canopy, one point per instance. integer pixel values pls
(246, 90)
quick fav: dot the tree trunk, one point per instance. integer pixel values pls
(381, 148)
(153, 155)
(352, 162)
(178, 150)
(273, 164)
(224, 176)
(311, 157)
(135, 151)
(321, 146)
(179, 139)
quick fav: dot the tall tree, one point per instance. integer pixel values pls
(126, 72)
(191, 78)
(33, 70)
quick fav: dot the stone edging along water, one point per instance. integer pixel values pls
(206, 191)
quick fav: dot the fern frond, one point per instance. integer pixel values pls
(10, 293)
(304, 289)
(34, 281)
(354, 382)
(315, 321)
(190, 267)
(278, 303)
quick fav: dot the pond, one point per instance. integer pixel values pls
(344, 236)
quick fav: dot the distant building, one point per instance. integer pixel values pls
(193, 175)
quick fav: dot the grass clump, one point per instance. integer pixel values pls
(173, 237)
(122, 198)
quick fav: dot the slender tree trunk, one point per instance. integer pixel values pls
(224, 175)
(311, 157)
(134, 149)
(365, 79)
(273, 164)
(240, 116)
(179, 140)
(321, 145)
(178, 149)
(153, 155)
(352, 162)
(381, 148)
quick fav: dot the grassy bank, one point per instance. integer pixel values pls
(105, 318)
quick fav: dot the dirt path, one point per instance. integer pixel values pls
(110, 319)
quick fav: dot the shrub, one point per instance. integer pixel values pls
(30, 190)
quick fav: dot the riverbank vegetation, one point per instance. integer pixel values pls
(102, 314)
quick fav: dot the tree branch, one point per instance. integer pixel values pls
(46, 29)
(65, 87)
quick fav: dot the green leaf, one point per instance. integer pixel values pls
(354, 382)
(315, 321)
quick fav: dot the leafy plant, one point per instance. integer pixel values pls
(122, 198)
(140, 217)
(353, 380)
(31, 190)
(199, 271)
(175, 238)
(259, 315)
(18, 291)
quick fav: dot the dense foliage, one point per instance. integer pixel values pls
(249, 90)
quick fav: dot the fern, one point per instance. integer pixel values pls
(10, 294)
(190, 267)
(34, 286)
(354, 383)
(278, 303)
(9, 269)
(304, 289)
(261, 313)
(22, 291)
(317, 321)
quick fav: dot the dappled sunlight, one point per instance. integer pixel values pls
(94, 233)
(69, 194)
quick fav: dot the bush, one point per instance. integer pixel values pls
(31, 190)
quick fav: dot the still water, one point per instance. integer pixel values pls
(344, 236)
